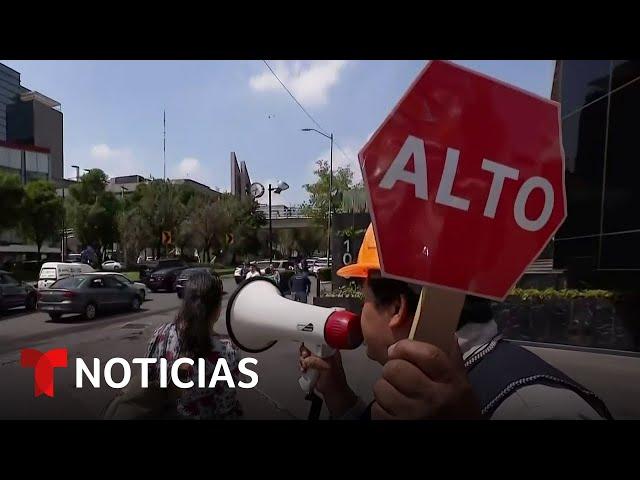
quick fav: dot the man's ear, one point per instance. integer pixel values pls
(401, 315)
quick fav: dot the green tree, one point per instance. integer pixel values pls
(92, 210)
(206, 226)
(286, 241)
(309, 239)
(42, 212)
(161, 209)
(135, 233)
(11, 195)
(317, 207)
(246, 222)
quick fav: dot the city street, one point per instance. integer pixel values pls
(277, 395)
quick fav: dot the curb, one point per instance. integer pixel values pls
(575, 348)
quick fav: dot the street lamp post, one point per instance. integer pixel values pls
(280, 187)
(64, 231)
(63, 251)
(330, 137)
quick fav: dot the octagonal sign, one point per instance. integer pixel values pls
(465, 180)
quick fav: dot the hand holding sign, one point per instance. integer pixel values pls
(420, 381)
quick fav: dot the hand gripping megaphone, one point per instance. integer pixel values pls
(258, 316)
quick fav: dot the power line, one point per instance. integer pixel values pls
(304, 110)
(294, 98)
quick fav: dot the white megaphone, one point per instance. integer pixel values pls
(258, 316)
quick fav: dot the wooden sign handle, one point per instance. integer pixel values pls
(436, 318)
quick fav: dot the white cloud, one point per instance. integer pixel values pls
(113, 161)
(309, 82)
(188, 167)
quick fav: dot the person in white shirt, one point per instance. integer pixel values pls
(253, 271)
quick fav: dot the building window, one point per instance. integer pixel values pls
(622, 195)
(10, 160)
(624, 71)
(36, 166)
(583, 137)
(583, 81)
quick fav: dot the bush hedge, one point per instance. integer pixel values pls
(568, 294)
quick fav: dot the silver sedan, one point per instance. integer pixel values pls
(87, 295)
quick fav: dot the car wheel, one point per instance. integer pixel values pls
(90, 311)
(54, 316)
(179, 294)
(143, 295)
(30, 302)
(116, 269)
(135, 303)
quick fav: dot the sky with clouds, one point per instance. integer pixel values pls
(113, 112)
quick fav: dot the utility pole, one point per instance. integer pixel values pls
(164, 145)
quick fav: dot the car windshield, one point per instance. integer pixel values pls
(70, 282)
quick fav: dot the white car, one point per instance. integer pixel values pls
(141, 287)
(318, 264)
(111, 266)
(51, 272)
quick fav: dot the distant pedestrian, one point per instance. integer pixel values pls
(253, 271)
(300, 286)
(274, 274)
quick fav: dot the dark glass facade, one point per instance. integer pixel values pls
(600, 101)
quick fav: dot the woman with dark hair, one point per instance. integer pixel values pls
(191, 335)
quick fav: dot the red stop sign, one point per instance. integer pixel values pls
(465, 180)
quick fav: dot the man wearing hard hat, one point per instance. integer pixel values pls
(482, 377)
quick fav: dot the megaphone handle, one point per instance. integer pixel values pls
(308, 379)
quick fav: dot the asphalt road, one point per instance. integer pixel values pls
(277, 396)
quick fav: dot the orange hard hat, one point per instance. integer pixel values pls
(367, 258)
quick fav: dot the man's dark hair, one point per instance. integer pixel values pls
(386, 291)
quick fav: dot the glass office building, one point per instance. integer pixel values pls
(600, 102)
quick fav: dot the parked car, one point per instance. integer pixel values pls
(164, 278)
(318, 264)
(87, 295)
(148, 268)
(184, 276)
(112, 266)
(141, 287)
(51, 272)
(73, 258)
(16, 294)
(281, 265)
